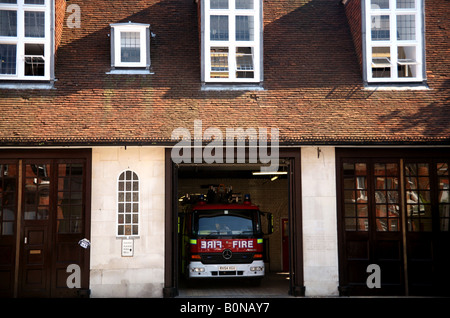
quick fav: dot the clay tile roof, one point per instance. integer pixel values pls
(313, 88)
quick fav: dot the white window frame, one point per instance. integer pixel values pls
(393, 43)
(143, 30)
(20, 40)
(124, 172)
(232, 44)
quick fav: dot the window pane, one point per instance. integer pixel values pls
(8, 23)
(381, 62)
(406, 27)
(350, 224)
(219, 62)
(444, 214)
(405, 4)
(380, 28)
(350, 210)
(407, 63)
(7, 59)
(244, 62)
(219, 4)
(360, 169)
(244, 28)
(130, 47)
(34, 60)
(8, 1)
(34, 1)
(418, 208)
(244, 4)
(379, 4)
(219, 28)
(128, 204)
(442, 169)
(34, 24)
(8, 185)
(70, 198)
(443, 196)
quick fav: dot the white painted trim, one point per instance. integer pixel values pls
(124, 213)
(393, 43)
(130, 27)
(232, 44)
(20, 40)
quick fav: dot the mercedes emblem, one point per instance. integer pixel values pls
(227, 254)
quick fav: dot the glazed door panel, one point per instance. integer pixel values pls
(8, 225)
(428, 232)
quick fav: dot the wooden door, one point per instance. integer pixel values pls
(394, 211)
(44, 213)
(371, 225)
(428, 231)
(37, 213)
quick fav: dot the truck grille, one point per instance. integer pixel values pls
(236, 258)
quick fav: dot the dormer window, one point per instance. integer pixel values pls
(130, 46)
(394, 41)
(26, 50)
(232, 41)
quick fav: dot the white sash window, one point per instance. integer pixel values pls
(394, 40)
(232, 41)
(26, 51)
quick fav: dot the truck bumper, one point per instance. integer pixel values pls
(199, 270)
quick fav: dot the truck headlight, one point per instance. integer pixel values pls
(197, 269)
(256, 269)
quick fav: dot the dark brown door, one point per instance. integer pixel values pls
(371, 231)
(71, 182)
(37, 213)
(428, 231)
(44, 213)
(394, 211)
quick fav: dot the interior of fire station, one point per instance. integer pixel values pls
(237, 183)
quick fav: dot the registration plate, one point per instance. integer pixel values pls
(227, 268)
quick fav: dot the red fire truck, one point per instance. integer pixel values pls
(224, 240)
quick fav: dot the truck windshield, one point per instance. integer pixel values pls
(226, 223)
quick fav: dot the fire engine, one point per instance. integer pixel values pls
(224, 238)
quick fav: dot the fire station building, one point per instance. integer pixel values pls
(349, 98)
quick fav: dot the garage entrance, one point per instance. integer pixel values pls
(277, 194)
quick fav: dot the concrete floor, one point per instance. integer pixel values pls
(272, 285)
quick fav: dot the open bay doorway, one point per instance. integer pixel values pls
(240, 184)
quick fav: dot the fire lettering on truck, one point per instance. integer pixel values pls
(211, 244)
(243, 244)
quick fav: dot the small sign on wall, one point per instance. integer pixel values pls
(127, 247)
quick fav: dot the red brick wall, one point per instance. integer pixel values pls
(353, 13)
(60, 11)
(437, 43)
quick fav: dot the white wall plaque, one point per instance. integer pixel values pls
(127, 247)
